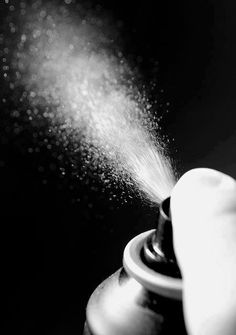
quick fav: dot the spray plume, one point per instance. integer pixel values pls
(73, 74)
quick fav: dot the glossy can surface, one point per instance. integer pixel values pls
(136, 299)
(122, 306)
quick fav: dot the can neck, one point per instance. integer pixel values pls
(151, 279)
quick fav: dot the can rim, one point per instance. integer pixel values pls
(150, 279)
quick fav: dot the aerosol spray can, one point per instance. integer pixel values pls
(145, 296)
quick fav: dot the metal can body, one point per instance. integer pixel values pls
(125, 304)
(122, 306)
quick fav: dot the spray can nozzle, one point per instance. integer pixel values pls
(145, 296)
(158, 251)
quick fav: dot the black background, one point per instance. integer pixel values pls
(58, 243)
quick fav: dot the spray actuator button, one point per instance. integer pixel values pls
(158, 251)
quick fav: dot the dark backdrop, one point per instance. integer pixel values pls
(57, 241)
